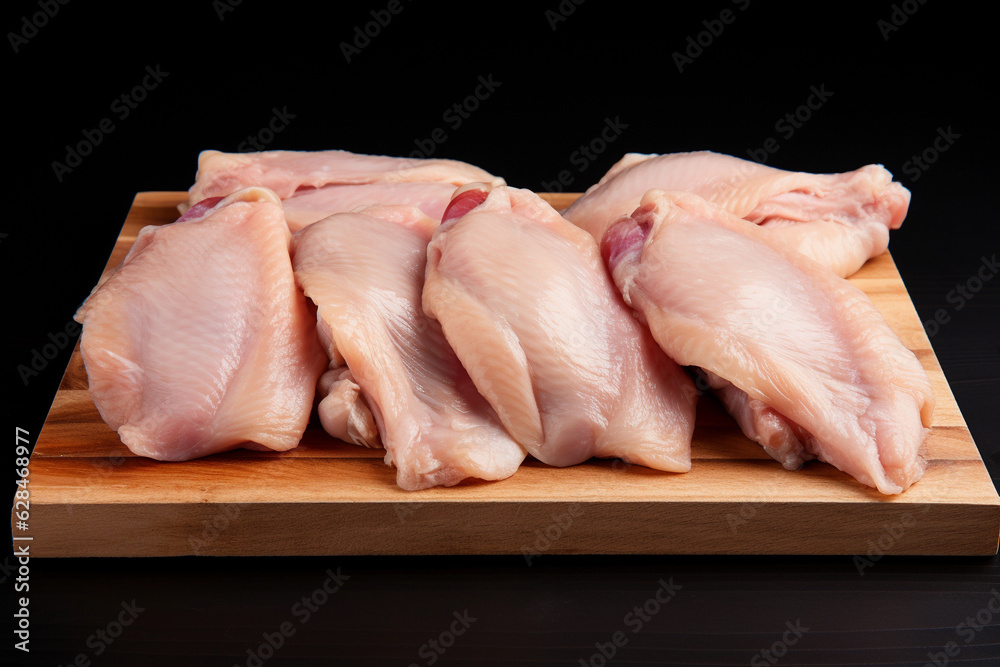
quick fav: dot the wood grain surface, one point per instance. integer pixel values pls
(90, 496)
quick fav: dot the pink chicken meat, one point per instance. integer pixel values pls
(802, 359)
(315, 184)
(839, 220)
(365, 272)
(524, 301)
(200, 341)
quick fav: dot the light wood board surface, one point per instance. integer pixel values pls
(90, 496)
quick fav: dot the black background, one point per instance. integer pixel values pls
(891, 93)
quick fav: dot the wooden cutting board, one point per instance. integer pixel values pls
(90, 496)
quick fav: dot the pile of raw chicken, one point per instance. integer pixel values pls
(462, 324)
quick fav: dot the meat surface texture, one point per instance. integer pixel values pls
(365, 272)
(343, 410)
(200, 342)
(803, 360)
(315, 184)
(526, 304)
(839, 220)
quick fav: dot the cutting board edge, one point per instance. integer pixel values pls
(477, 528)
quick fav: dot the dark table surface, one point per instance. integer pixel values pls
(909, 85)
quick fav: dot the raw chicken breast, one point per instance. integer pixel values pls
(849, 215)
(803, 359)
(365, 272)
(525, 302)
(308, 206)
(200, 342)
(315, 184)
